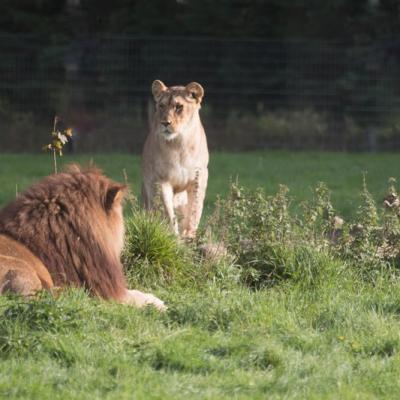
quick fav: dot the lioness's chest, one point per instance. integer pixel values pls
(179, 165)
(180, 175)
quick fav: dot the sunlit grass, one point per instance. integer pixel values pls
(323, 330)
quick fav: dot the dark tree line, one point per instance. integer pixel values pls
(351, 21)
(95, 60)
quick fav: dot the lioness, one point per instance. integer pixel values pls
(175, 156)
(67, 230)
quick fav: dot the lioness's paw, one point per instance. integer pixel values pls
(189, 235)
(140, 299)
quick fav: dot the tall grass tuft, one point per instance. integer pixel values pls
(153, 254)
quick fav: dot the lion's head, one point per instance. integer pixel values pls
(73, 223)
(176, 106)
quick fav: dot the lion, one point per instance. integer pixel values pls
(67, 230)
(175, 156)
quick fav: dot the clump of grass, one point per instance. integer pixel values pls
(153, 255)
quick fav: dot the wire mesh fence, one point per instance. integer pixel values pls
(259, 93)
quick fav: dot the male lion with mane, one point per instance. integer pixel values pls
(67, 230)
(175, 156)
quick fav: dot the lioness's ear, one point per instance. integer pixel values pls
(196, 91)
(157, 87)
(114, 195)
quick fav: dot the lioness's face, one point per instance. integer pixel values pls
(175, 108)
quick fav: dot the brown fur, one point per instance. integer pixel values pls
(68, 226)
(20, 270)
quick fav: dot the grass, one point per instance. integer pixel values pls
(323, 333)
(299, 171)
(337, 340)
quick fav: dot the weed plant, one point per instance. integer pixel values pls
(272, 243)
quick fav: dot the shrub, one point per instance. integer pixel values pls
(258, 230)
(270, 243)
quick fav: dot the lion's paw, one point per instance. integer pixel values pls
(140, 299)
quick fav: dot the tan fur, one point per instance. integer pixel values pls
(67, 230)
(175, 156)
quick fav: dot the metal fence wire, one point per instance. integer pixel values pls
(258, 93)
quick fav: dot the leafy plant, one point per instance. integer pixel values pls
(270, 243)
(59, 139)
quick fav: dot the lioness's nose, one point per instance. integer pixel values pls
(166, 123)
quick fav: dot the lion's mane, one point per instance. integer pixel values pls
(67, 220)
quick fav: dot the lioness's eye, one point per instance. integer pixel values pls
(179, 107)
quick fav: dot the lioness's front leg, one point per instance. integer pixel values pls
(196, 193)
(147, 196)
(167, 197)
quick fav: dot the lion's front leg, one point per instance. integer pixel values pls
(196, 194)
(140, 299)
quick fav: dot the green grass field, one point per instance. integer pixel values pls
(299, 171)
(325, 333)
